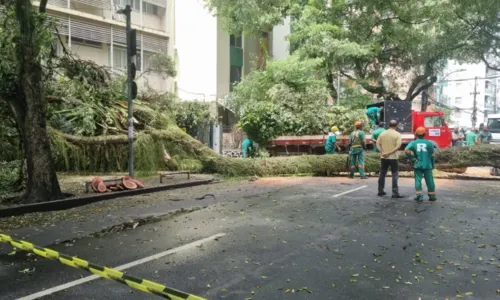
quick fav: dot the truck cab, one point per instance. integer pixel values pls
(493, 124)
(435, 124)
(409, 120)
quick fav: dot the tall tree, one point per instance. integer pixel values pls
(394, 49)
(484, 17)
(25, 47)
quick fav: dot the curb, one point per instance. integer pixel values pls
(80, 201)
(459, 177)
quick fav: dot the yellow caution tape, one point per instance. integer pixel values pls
(75, 262)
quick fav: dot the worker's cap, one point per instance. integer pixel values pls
(335, 129)
(420, 131)
(358, 124)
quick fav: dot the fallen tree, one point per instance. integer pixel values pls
(325, 165)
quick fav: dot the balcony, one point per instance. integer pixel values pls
(150, 14)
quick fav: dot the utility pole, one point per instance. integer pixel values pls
(338, 87)
(131, 85)
(474, 105)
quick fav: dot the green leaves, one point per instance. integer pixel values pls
(289, 98)
(390, 48)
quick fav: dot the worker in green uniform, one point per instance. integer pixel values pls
(357, 151)
(376, 134)
(331, 142)
(247, 148)
(485, 135)
(471, 139)
(421, 154)
(373, 114)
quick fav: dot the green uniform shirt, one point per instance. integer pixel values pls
(357, 139)
(485, 137)
(246, 147)
(330, 146)
(375, 136)
(471, 138)
(421, 152)
(373, 111)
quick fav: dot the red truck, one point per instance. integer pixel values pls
(437, 131)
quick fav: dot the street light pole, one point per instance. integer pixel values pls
(131, 85)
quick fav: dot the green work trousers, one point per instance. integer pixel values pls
(429, 181)
(357, 161)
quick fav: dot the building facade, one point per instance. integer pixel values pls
(469, 90)
(94, 30)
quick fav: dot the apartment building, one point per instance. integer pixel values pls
(94, 30)
(460, 84)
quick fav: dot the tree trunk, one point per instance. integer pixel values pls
(446, 159)
(30, 111)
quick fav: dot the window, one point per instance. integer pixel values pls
(234, 75)
(235, 41)
(457, 114)
(134, 4)
(79, 41)
(494, 125)
(120, 59)
(458, 100)
(434, 121)
(149, 8)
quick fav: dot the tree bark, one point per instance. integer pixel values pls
(30, 111)
(446, 159)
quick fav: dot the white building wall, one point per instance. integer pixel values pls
(281, 48)
(96, 28)
(458, 92)
(196, 34)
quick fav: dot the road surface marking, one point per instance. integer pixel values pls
(121, 268)
(350, 191)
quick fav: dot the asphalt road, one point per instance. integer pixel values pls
(308, 240)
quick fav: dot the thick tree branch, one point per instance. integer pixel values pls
(379, 22)
(378, 90)
(415, 82)
(432, 80)
(43, 6)
(488, 64)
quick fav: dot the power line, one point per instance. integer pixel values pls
(468, 79)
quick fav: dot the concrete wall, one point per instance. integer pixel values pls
(99, 55)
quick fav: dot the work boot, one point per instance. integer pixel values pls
(364, 177)
(397, 196)
(419, 198)
(350, 177)
(382, 193)
(432, 199)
